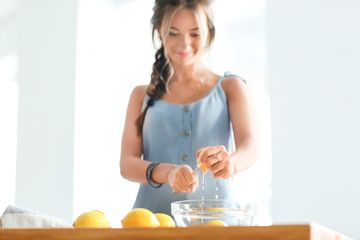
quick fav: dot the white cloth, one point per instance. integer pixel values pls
(18, 217)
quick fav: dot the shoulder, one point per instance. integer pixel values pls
(139, 92)
(137, 96)
(233, 85)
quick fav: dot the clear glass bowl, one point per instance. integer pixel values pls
(199, 212)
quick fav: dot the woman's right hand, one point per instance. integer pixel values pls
(182, 179)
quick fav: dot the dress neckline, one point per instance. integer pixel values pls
(199, 100)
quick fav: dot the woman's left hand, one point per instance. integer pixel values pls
(217, 160)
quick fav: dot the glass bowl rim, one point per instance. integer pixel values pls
(214, 200)
(252, 210)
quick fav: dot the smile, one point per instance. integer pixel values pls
(183, 54)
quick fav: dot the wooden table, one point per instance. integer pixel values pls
(311, 231)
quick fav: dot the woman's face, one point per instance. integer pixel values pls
(183, 40)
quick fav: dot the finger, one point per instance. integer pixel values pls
(189, 179)
(214, 150)
(192, 182)
(223, 173)
(219, 174)
(200, 151)
(180, 188)
(222, 161)
(223, 169)
(194, 186)
(178, 182)
(188, 174)
(222, 155)
(183, 184)
(217, 167)
(212, 160)
(215, 159)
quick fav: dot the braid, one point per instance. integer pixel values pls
(157, 87)
(159, 76)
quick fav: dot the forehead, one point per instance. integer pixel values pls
(184, 19)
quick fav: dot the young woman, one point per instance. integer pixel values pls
(186, 110)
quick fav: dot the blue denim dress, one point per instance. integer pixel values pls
(172, 133)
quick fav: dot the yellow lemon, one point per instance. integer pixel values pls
(140, 217)
(216, 223)
(202, 166)
(165, 220)
(92, 219)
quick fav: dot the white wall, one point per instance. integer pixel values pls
(8, 105)
(109, 66)
(314, 79)
(46, 52)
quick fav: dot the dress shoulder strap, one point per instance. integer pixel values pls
(230, 74)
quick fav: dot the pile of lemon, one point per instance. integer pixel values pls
(141, 217)
(138, 217)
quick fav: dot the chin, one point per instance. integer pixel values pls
(184, 62)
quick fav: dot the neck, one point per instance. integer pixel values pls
(187, 73)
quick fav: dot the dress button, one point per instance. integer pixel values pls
(187, 133)
(186, 109)
(185, 157)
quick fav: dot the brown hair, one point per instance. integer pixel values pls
(162, 70)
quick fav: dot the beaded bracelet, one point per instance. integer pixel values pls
(149, 177)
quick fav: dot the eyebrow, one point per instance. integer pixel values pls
(193, 29)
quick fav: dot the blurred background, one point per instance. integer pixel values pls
(67, 68)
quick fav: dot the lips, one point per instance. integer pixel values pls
(183, 54)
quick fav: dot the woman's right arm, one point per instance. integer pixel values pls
(132, 167)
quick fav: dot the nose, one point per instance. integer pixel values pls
(184, 42)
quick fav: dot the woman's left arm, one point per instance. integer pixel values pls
(242, 110)
(244, 122)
